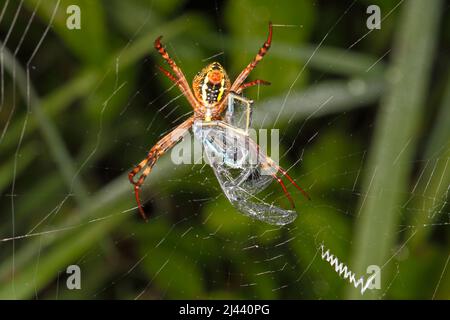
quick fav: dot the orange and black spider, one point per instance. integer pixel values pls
(208, 99)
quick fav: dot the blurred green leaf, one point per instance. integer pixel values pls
(432, 190)
(174, 272)
(249, 18)
(390, 160)
(27, 281)
(90, 43)
(322, 99)
(26, 155)
(53, 139)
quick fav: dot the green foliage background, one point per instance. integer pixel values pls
(79, 109)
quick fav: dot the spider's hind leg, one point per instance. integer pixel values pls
(286, 192)
(273, 169)
(284, 173)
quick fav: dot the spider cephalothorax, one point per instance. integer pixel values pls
(211, 84)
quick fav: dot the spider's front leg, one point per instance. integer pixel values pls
(146, 165)
(238, 84)
(259, 56)
(179, 79)
(251, 84)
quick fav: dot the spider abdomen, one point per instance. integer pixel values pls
(212, 93)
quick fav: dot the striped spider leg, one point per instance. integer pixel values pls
(146, 165)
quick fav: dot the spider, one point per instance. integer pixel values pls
(208, 98)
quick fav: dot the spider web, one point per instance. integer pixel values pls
(195, 244)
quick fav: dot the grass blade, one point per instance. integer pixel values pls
(394, 139)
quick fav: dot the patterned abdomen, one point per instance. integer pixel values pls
(211, 84)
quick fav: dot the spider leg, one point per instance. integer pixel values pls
(182, 82)
(251, 84)
(286, 192)
(168, 74)
(261, 53)
(236, 86)
(284, 173)
(146, 165)
(269, 164)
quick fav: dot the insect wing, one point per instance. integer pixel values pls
(232, 157)
(239, 112)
